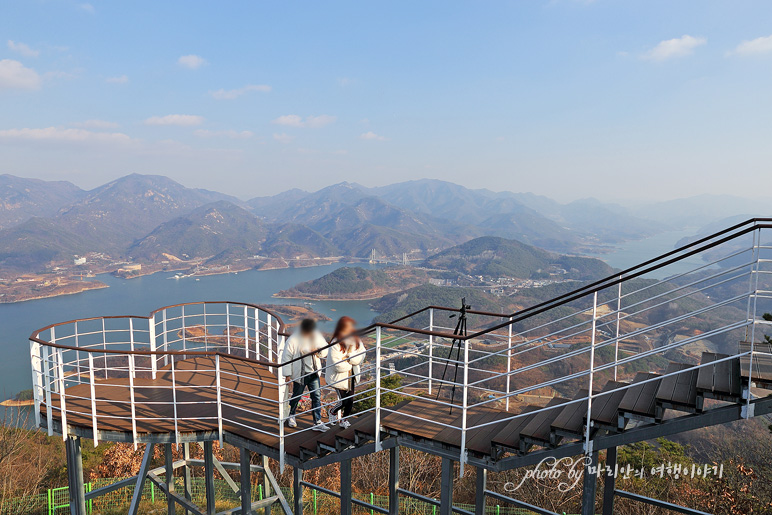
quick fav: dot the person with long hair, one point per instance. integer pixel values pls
(344, 359)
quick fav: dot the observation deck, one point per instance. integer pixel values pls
(654, 350)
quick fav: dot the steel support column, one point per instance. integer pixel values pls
(266, 481)
(169, 477)
(345, 487)
(75, 476)
(479, 492)
(209, 476)
(144, 468)
(446, 487)
(590, 483)
(610, 481)
(297, 490)
(186, 483)
(394, 480)
(246, 481)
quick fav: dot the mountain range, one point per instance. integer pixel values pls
(151, 217)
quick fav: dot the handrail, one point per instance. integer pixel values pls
(281, 332)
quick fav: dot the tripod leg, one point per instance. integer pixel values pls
(450, 356)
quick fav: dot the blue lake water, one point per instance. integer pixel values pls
(631, 253)
(142, 295)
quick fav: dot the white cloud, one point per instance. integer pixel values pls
(14, 75)
(56, 134)
(88, 8)
(23, 49)
(120, 79)
(677, 47)
(762, 45)
(175, 119)
(192, 62)
(230, 94)
(203, 133)
(96, 124)
(370, 135)
(311, 122)
(283, 137)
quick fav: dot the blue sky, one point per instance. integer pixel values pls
(616, 100)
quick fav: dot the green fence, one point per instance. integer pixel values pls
(56, 501)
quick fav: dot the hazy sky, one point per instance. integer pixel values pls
(611, 99)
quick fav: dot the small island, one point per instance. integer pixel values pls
(23, 398)
(356, 283)
(41, 286)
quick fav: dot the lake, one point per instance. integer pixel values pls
(144, 294)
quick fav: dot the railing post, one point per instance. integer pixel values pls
(131, 334)
(153, 356)
(37, 377)
(47, 386)
(184, 337)
(509, 360)
(93, 399)
(206, 332)
(166, 342)
(282, 394)
(174, 402)
(104, 344)
(77, 354)
(378, 388)
(246, 329)
(219, 396)
(748, 409)
(228, 327)
(269, 336)
(587, 442)
(616, 336)
(431, 347)
(257, 332)
(62, 405)
(131, 399)
(464, 409)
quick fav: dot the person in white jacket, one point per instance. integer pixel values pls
(344, 359)
(302, 364)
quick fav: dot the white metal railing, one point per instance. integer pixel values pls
(606, 332)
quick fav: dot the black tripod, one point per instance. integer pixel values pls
(459, 331)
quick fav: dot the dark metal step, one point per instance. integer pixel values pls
(640, 400)
(479, 440)
(508, 437)
(537, 431)
(605, 409)
(762, 364)
(678, 392)
(570, 420)
(719, 381)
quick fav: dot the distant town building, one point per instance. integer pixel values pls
(79, 261)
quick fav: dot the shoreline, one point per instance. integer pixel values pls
(13, 403)
(52, 295)
(102, 285)
(331, 299)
